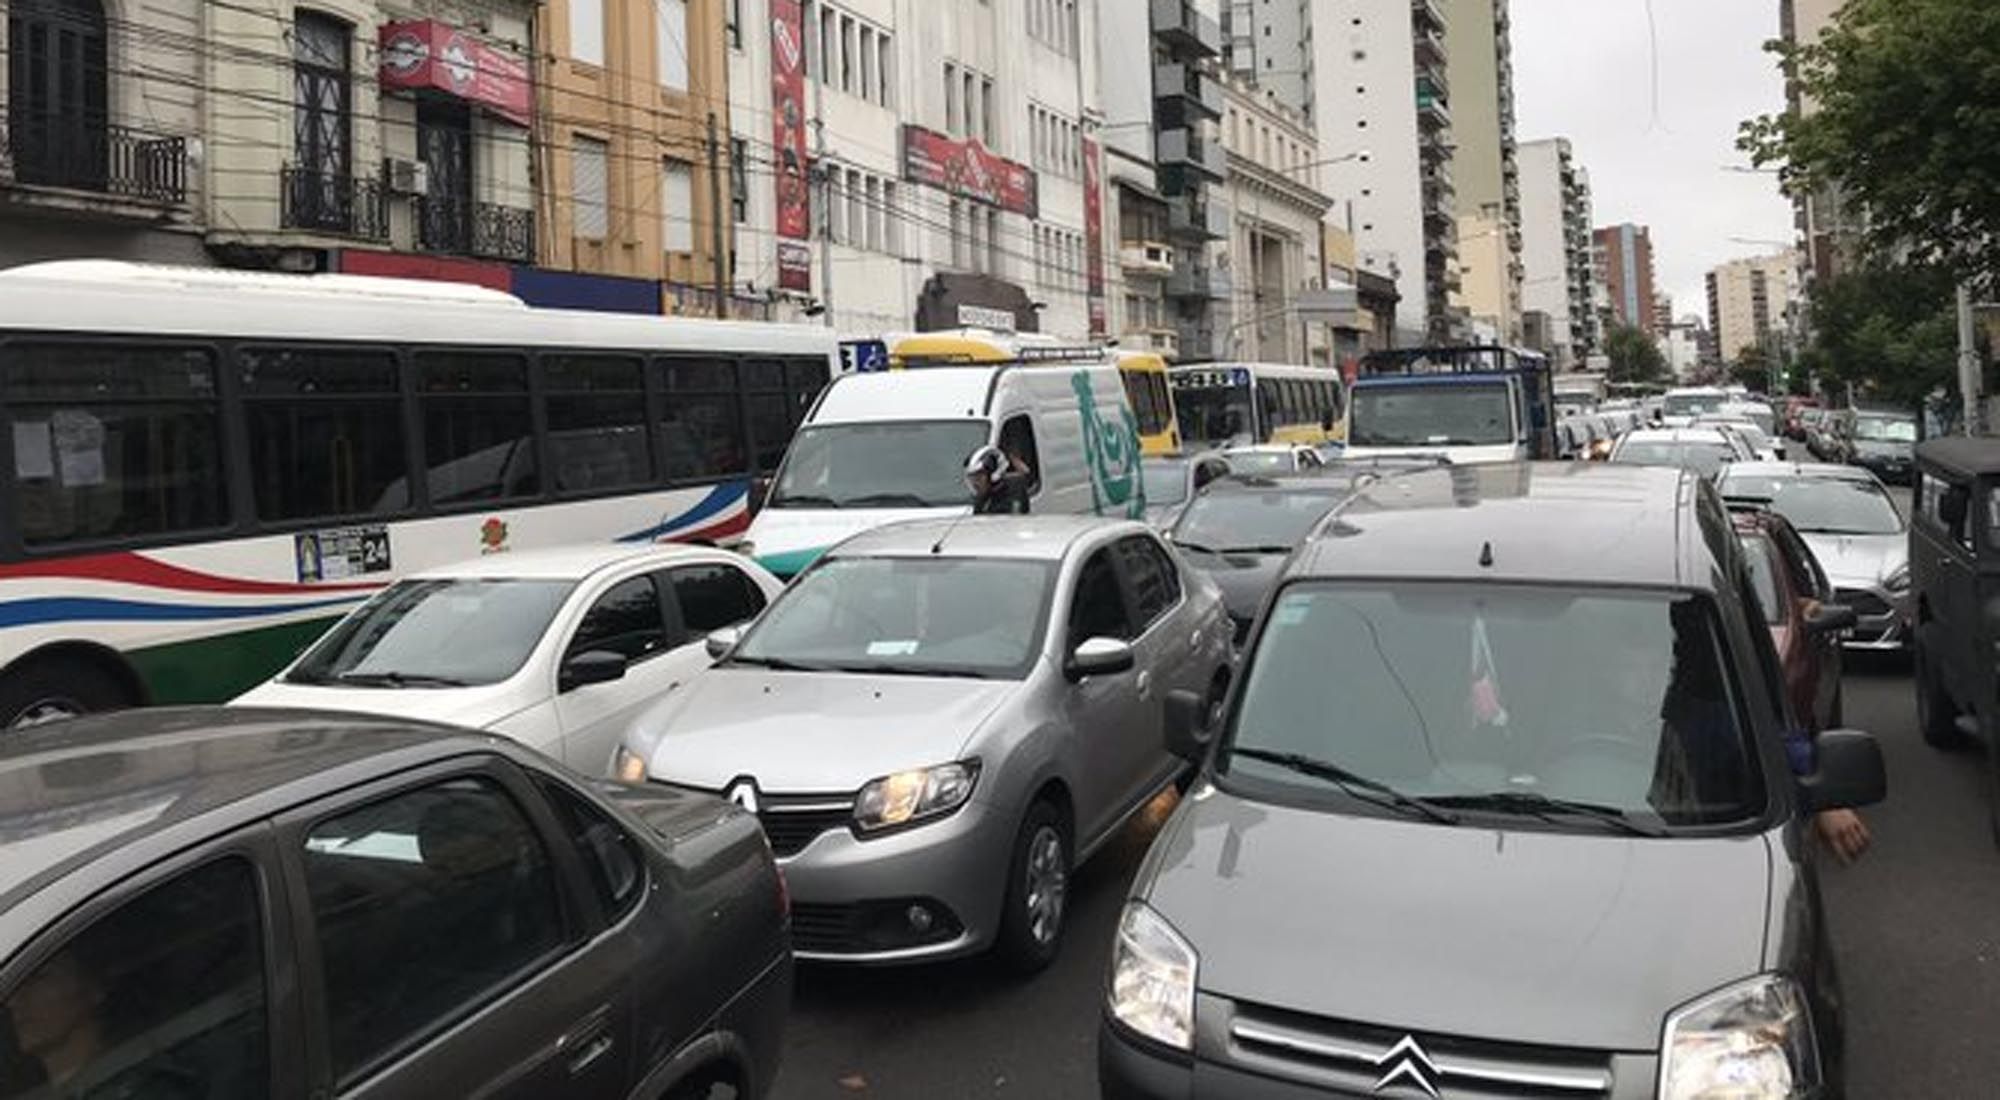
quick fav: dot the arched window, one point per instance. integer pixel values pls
(58, 101)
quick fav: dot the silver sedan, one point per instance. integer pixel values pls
(940, 718)
(1853, 527)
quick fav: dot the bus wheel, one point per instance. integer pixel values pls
(50, 689)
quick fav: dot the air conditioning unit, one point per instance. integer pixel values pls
(407, 177)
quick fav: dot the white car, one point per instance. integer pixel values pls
(557, 649)
(1703, 450)
(1746, 429)
(1267, 459)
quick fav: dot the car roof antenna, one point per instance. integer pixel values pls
(938, 546)
(1486, 555)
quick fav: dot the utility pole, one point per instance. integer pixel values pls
(825, 228)
(1971, 381)
(715, 222)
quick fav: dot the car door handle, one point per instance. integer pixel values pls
(1145, 684)
(587, 1044)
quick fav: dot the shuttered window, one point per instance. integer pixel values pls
(586, 31)
(670, 18)
(593, 202)
(677, 205)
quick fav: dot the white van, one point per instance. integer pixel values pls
(882, 447)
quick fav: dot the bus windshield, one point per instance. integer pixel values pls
(1214, 414)
(889, 464)
(1450, 414)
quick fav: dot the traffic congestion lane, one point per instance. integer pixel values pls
(1913, 924)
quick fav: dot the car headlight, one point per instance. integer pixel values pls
(912, 797)
(628, 766)
(1750, 1041)
(1899, 581)
(1152, 978)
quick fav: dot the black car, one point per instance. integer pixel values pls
(209, 904)
(1884, 443)
(1955, 574)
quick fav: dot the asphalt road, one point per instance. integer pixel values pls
(1916, 924)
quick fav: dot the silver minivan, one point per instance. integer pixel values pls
(940, 718)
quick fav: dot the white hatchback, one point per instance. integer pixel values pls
(557, 649)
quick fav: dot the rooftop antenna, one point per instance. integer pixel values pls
(1486, 555)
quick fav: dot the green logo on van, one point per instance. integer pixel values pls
(1111, 450)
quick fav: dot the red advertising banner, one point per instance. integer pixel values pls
(1093, 239)
(968, 168)
(795, 266)
(430, 54)
(788, 120)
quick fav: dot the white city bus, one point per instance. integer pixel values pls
(209, 467)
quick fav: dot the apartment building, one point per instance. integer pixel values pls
(1752, 305)
(1275, 246)
(1626, 262)
(1828, 233)
(1558, 277)
(1485, 167)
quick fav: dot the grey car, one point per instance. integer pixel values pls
(1501, 805)
(940, 718)
(1173, 480)
(239, 904)
(1853, 528)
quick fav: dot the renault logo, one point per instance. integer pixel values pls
(743, 792)
(1406, 1064)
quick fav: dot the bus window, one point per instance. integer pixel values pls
(325, 428)
(113, 440)
(702, 432)
(770, 412)
(596, 406)
(479, 441)
(1270, 410)
(804, 378)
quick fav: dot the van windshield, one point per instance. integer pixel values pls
(1442, 414)
(1451, 693)
(891, 464)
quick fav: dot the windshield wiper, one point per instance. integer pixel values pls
(776, 664)
(803, 500)
(398, 680)
(887, 500)
(1537, 804)
(1258, 550)
(1196, 547)
(884, 668)
(1380, 794)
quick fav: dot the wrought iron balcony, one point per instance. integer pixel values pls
(465, 228)
(327, 202)
(91, 155)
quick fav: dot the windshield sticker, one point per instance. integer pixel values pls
(1483, 697)
(1291, 611)
(893, 649)
(1111, 452)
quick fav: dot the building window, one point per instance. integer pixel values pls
(322, 89)
(969, 99)
(592, 187)
(996, 262)
(951, 114)
(670, 23)
(826, 43)
(875, 215)
(882, 71)
(677, 205)
(58, 71)
(857, 210)
(586, 31)
(848, 82)
(986, 128)
(739, 180)
(866, 86)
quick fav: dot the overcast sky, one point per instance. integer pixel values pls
(1583, 70)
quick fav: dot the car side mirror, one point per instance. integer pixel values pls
(1831, 618)
(1850, 772)
(595, 666)
(1188, 721)
(721, 643)
(1099, 657)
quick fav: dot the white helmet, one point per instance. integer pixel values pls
(986, 460)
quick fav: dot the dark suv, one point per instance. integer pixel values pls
(1506, 802)
(240, 904)
(1955, 569)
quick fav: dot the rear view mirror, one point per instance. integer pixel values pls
(596, 666)
(1850, 772)
(1100, 657)
(1189, 717)
(721, 643)
(1832, 617)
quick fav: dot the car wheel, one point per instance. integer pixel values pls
(1937, 715)
(705, 1088)
(49, 689)
(1037, 895)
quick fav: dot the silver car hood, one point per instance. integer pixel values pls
(1571, 939)
(811, 732)
(1858, 561)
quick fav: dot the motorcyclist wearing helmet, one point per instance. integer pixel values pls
(999, 484)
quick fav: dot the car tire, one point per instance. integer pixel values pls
(704, 1088)
(1036, 901)
(46, 689)
(1937, 714)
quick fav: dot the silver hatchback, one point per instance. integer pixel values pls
(939, 719)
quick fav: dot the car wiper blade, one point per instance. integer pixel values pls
(1379, 793)
(776, 664)
(1540, 805)
(803, 500)
(397, 679)
(1257, 550)
(888, 500)
(1196, 547)
(884, 668)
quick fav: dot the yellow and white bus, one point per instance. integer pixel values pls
(1143, 373)
(1245, 403)
(210, 467)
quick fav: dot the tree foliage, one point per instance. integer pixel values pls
(1888, 330)
(1633, 354)
(1905, 121)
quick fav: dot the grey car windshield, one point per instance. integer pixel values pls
(1166, 480)
(1691, 404)
(948, 616)
(1885, 429)
(1446, 691)
(1250, 520)
(1701, 457)
(1823, 505)
(1440, 414)
(892, 464)
(436, 633)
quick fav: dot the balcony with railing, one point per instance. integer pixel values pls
(460, 227)
(1426, 12)
(334, 204)
(1194, 219)
(1432, 111)
(1430, 48)
(1184, 93)
(1193, 279)
(92, 158)
(1179, 25)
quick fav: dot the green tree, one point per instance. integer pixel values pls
(1905, 120)
(1887, 330)
(1752, 368)
(1633, 354)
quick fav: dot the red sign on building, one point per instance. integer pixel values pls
(970, 169)
(429, 54)
(1093, 240)
(788, 120)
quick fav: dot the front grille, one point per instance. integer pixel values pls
(858, 928)
(1352, 1058)
(791, 830)
(1865, 604)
